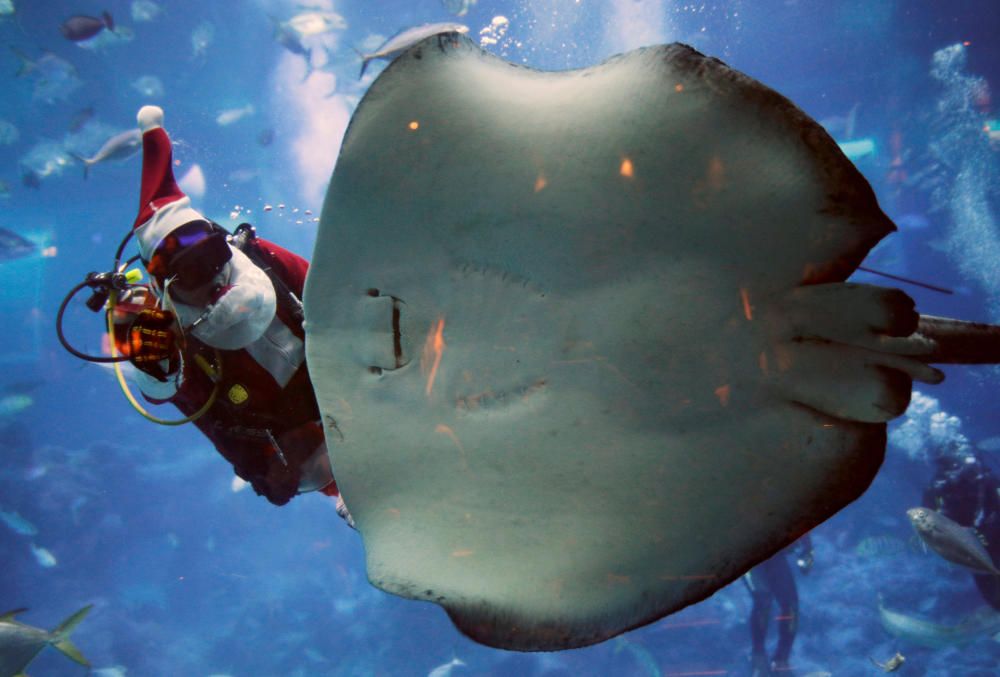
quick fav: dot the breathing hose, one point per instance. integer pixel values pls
(106, 288)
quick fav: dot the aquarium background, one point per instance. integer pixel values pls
(188, 576)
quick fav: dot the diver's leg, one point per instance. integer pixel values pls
(782, 582)
(760, 615)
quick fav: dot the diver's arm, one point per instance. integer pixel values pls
(803, 551)
(153, 349)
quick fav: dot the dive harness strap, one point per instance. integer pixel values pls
(245, 239)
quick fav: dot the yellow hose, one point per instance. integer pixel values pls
(214, 374)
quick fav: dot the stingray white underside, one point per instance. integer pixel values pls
(581, 339)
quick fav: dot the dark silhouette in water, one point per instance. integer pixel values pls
(80, 118)
(266, 137)
(13, 246)
(30, 179)
(772, 582)
(80, 27)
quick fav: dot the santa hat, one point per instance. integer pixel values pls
(163, 206)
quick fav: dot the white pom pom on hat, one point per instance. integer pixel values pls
(149, 117)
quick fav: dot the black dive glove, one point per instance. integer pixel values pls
(153, 345)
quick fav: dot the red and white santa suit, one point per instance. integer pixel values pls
(265, 420)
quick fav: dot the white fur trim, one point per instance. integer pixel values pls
(149, 117)
(242, 315)
(164, 220)
(279, 351)
(159, 390)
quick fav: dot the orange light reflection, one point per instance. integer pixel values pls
(445, 430)
(747, 308)
(433, 349)
(722, 392)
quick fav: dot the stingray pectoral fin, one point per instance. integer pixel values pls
(858, 314)
(842, 350)
(842, 381)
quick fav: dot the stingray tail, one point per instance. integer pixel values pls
(948, 341)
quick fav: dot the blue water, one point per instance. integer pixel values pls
(189, 577)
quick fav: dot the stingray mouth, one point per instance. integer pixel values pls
(390, 354)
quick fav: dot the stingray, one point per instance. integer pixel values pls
(582, 340)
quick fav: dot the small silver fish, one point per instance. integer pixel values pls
(201, 37)
(445, 669)
(316, 23)
(43, 556)
(985, 621)
(231, 115)
(149, 86)
(880, 546)
(18, 524)
(405, 39)
(289, 38)
(919, 630)
(990, 443)
(145, 10)
(54, 78)
(952, 541)
(14, 246)
(113, 671)
(118, 147)
(8, 133)
(890, 665)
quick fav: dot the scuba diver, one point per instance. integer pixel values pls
(772, 582)
(218, 333)
(966, 491)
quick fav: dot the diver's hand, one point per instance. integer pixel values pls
(281, 483)
(153, 345)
